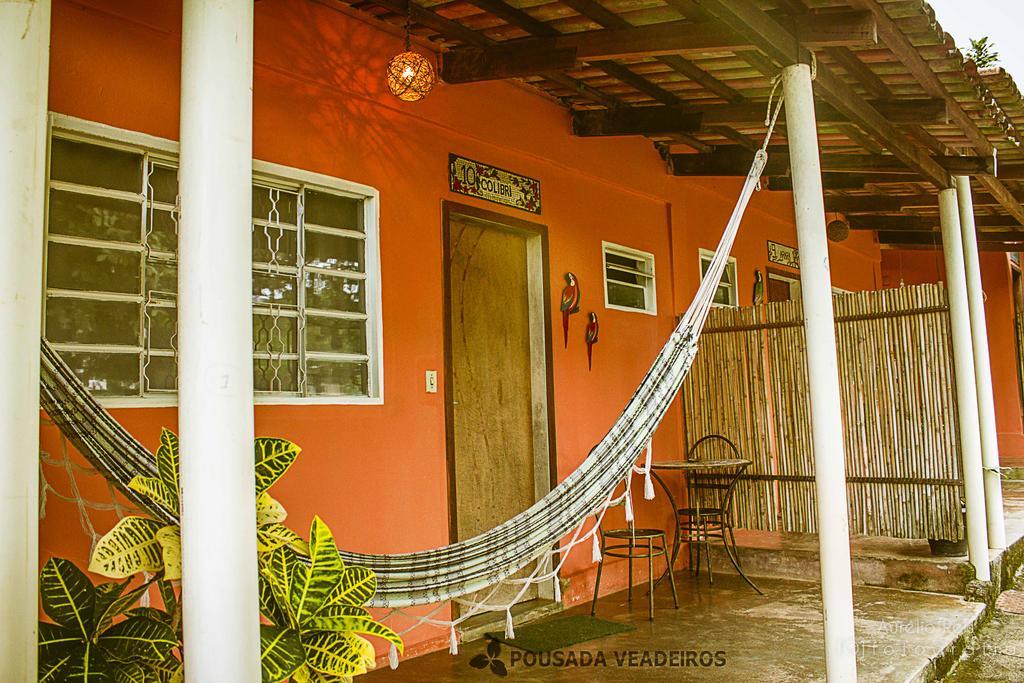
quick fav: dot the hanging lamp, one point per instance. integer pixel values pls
(410, 75)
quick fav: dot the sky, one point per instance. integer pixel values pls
(1000, 20)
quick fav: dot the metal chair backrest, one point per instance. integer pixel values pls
(713, 490)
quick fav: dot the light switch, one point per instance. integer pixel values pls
(431, 381)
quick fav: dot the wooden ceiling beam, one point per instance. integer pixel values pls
(996, 224)
(853, 204)
(786, 47)
(726, 161)
(1006, 241)
(660, 120)
(681, 37)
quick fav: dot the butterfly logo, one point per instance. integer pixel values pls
(490, 660)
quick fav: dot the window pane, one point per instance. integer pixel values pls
(85, 164)
(161, 327)
(729, 274)
(277, 206)
(163, 231)
(334, 293)
(723, 295)
(333, 252)
(84, 321)
(163, 183)
(622, 295)
(335, 335)
(271, 374)
(275, 334)
(274, 244)
(70, 266)
(161, 373)
(106, 374)
(333, 210)
(274, 289)
(103, 218)
(632, 278)
(161, 278)
(332, 378)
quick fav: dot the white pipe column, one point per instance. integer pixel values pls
(215, 392)
(823, 370)
(24, 75)
(982, 369)
(966, 389)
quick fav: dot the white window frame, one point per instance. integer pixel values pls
(91, 131)
(789, 280)
(651, 293)
(707, 254)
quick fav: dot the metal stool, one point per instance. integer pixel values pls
(630, 550)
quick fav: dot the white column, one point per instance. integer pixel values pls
(823, 370)
(982, 369)
(24, 74)
(215, 410)
(966, 389)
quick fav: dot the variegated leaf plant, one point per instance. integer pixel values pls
(139, 544)
(83, 644)
(317, 614)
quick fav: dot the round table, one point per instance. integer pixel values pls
(711, 466)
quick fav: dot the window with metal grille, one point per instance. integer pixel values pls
(111, 274)
(726, 294)
(628, 279)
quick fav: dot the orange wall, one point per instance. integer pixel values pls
(377, 474)
(916, 267)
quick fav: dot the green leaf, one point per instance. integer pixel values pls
(273, 458)
(356, 587)
(269, 606)
(268, 510)
(89, 667)
(336, 619)
(156, 491)
(338, 654)
(111, 601)
(273, 536)
(169, 539)
(280, 569)
(133, 672)
(167, 462)
(68, 595)
(130, 547)
(168, 595)
(151, 613)
(281, 652)
(317, 581)
(57, 647)
(139, 638)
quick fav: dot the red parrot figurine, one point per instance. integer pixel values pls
(570, 303)
(592, 328)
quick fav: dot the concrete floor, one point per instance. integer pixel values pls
(772, 639)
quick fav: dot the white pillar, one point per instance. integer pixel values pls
(215, 410)
(24, 74)
(982, 369)
(823, 370)
(966, 389)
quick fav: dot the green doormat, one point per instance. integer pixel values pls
(561, 633)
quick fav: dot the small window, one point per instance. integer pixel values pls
(782, 287)
(726, 294)
(628, 279)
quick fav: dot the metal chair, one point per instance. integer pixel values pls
(656, 546)
(707, 516)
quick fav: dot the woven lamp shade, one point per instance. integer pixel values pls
(410, 76)
(837, 230)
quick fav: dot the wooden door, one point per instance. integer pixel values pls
(497, 469)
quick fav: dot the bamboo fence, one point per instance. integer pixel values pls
(750, 383)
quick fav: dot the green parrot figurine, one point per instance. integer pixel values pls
(758, 288)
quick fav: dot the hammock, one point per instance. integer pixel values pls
(461, 571)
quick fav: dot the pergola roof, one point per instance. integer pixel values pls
(900, 110)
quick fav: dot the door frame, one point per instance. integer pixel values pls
(538, 271)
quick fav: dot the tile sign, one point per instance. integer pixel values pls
(493, 184)
(783, 255)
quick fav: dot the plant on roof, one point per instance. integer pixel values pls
(983, 53)
(312, 601)
(83, 643)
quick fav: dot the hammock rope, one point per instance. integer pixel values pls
(544, 535)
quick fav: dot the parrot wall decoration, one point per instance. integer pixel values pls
(570, 303)
(758, 288)
(592, 329)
